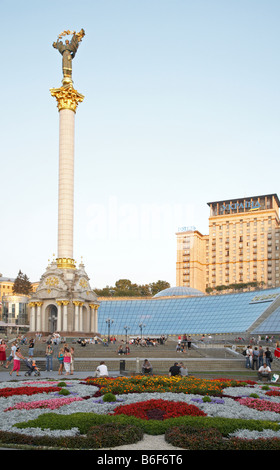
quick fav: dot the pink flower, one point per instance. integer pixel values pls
(52, 404)
(260, 405)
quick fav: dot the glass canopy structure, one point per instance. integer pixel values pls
(197, 314)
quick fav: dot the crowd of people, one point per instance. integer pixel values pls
(184, 343)
(260, 359)
(178, 368)
(145, 342)
(65, 355)
(256, 356)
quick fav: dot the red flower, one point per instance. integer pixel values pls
(10, 391)
(158, 409)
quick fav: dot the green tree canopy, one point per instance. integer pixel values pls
(125, 288)
(22, 285)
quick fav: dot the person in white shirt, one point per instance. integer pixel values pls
(12, 354)
(264, 371)
(18, 356)
(101, 370)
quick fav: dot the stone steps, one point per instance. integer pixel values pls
(159, 365)
(162, 357)
(166, 351)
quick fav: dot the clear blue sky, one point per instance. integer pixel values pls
(181, 108)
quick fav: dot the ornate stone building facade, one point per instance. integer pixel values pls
(64, 302)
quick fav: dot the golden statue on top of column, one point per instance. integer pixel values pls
(66, 96)
(68, 52)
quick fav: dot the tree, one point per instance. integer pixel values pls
(125, 288)
(158, 286)
(22, 285)
(105, 292)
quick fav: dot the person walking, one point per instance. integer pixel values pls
(3, 347)
(18, 356)
(60, 358)
(49, 358)
(12, 355)
(72, 351)
(277, 350)
(67, 360)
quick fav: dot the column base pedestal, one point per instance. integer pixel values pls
(66, 301)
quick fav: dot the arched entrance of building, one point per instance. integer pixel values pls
(51, 317)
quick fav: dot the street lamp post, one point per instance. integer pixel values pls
(109, 323)
(126, 329)
(141, 326)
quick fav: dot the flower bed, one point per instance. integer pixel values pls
(8, 392)
(49, 404)
(160, 384)
(35, 415)
(158, 409)
(261, 405)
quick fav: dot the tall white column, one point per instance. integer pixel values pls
(59, 318)
(66, 183)
(39, 318)
(81, 323)
(76, 321)
(32, 316)
(93, 318)
(65, 316)
(96, 318)
(67, 101)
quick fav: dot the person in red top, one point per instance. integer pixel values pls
(277, 351)
(67, 360)
(3, 348)
(17, 357)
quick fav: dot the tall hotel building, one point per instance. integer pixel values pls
(242, 245)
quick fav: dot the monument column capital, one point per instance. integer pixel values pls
(67, 98)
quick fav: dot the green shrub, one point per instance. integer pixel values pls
(253, 444)
(62, 384)
(109, 397)
(104, 435)
(64, 392)
(115, 434)
(192, 438)
(206, 399)
(83, 421)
